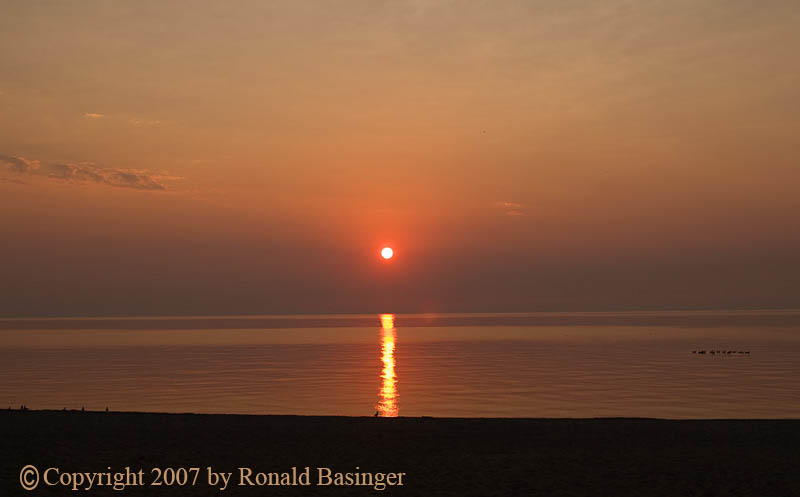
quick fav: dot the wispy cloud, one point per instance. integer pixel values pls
(129, 178)
(139, 122)
(20, 164)
(510, 208)
(139, 179)
(144, 122)
(14, 180)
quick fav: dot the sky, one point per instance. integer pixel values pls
(173, 158)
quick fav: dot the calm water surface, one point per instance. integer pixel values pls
(518, 365)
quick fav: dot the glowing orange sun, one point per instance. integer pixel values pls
(387, 252)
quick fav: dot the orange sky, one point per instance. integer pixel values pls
(253, 157)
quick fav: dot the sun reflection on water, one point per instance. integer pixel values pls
(387, 395)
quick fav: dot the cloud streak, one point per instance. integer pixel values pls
(510, 208)
(138, 179)
(144, 122)
(20, 164)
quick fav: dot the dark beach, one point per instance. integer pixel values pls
(481, 457)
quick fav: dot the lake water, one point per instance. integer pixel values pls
(462, 365)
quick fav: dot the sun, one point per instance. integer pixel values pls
(387, 252)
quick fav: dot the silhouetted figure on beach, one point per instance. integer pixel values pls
(106, 408)
(83, 408)
(376, 414)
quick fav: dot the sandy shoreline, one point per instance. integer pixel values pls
(613, 456)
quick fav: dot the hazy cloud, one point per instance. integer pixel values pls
(14, 180)
(144, 122)
(510, 208)
(140, 179)
(19, 164)
(135, 121)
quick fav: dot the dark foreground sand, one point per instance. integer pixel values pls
(481, 457)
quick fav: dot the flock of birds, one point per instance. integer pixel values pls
(721, 352)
